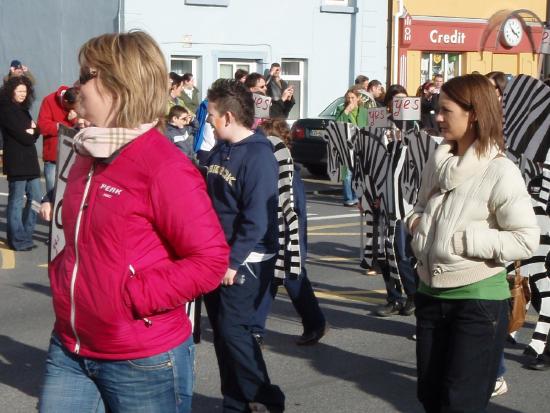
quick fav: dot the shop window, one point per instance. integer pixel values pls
(446, 64)
(293, 72)
(227, 68)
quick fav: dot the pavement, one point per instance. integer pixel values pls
(364, 363)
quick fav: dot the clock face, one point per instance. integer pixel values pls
(512, 32)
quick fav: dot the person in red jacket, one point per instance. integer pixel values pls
(57, 108)
(122, 340)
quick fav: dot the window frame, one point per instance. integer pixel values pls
(302, 78)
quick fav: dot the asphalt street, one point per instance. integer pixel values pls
(364, 364)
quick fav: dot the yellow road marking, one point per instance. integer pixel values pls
(331, 259)
(318, 227)
(343, 297)
(336, 234)
(42, 265)
(8, 257)
(317, 181)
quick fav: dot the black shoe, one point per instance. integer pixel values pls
(408, 308)
(259, 339)
(309, 339)
(541, 363)
(530, 351)
(389, 309)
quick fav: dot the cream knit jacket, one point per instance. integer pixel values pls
(475, 215)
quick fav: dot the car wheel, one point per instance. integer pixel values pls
(320, 170)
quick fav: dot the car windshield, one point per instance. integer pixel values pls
(330, 110)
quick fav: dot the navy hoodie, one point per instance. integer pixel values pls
(242, 182)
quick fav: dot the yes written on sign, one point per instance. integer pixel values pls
(545, 45)
(378, 118)
(261, 106)
(406, 108)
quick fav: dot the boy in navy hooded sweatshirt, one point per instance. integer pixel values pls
(242, 177)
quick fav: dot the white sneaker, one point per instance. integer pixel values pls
(258, 407)
(500, 387)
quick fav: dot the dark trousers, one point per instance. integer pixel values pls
(399, 290)
(243, 371)
(303, 299)
(458, 350)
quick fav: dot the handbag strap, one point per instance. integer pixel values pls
(517, 266)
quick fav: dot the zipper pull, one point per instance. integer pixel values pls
(132, 270)
(148, 323)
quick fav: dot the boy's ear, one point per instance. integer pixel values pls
(229, 118)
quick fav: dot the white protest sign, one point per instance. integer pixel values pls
(261, 106)
(545, 45)
(378, 118)
(65, 159)
(406, 108)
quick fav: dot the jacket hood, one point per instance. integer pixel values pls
(60, 92)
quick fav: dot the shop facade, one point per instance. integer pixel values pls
(452, 44)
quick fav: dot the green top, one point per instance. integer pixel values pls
(492, 288)
(358, 116)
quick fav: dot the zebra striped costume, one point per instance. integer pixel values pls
(288, 257)
(526, 107)
(386, 171)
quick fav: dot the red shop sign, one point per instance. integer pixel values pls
(457, 36)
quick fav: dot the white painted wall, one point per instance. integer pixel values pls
(269, 30)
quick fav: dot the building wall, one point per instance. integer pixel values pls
(46, 36)
(472, 8)
(335, 47)
(469, 19)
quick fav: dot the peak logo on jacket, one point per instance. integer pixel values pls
(223, 172)
(109, 191)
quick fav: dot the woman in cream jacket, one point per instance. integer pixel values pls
(473, 214)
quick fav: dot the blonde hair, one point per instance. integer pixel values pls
(132, 69)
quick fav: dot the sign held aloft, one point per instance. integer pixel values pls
(262, 104)
(406, 108)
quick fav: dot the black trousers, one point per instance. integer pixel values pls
(243, 371)
(458, 349)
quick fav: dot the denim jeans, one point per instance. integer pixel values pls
(156, 384)
(399, 290)
(20, 216)
(347, 192)
(303, 299)
(458, 349)
(243, 371)
(49, 174)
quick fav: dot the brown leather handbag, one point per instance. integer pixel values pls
(521, 295)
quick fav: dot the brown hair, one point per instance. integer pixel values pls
(230, 95)
(132, 70)
(278, 128)
(356, 90)
(500, 80)
(475, 94)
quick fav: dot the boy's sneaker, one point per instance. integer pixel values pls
(500, 387)
(389, 309)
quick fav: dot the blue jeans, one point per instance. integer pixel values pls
(156, 384)
(21, 218)
(349, 195)
(303, 299)
(49, 174)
